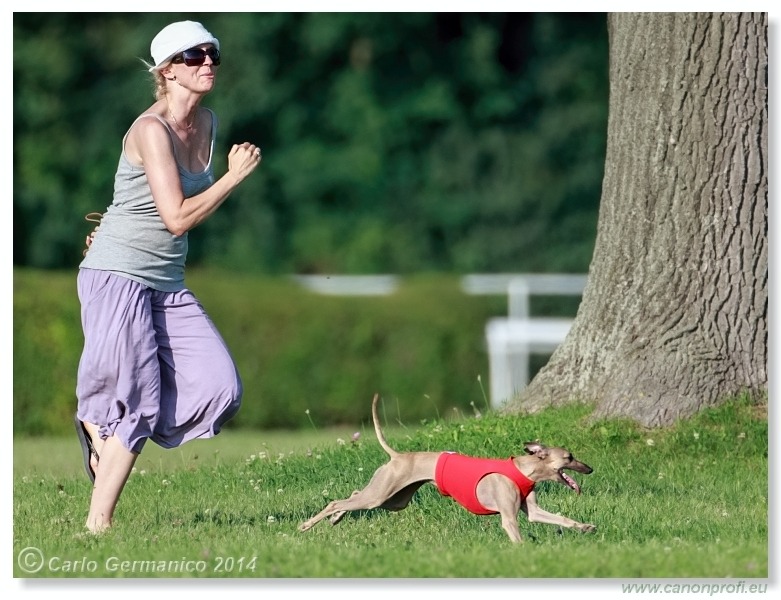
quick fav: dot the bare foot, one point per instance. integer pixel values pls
(97, 527)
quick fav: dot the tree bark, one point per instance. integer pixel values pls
(674, 315)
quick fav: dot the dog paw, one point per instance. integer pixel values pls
(587, 528)
(336, 517)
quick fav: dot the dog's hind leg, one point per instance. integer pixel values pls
(382, 487)
(398, 501)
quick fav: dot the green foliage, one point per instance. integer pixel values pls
(392, 142)
(47, 345)
(667, 504)
(296, 351)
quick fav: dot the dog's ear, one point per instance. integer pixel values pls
(536, 448)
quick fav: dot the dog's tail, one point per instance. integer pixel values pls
(378, 431)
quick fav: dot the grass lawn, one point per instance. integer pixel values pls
(690, 501)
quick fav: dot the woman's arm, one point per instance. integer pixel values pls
(179, 214)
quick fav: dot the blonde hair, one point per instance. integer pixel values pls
(159, 87)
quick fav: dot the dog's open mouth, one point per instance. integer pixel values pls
(569, 482)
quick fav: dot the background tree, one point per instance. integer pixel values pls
(392, 142)
(674, 317)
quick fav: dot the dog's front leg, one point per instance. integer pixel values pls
(538, 515)
(497, 492)
(510, 524)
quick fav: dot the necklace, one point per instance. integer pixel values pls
(170, 112)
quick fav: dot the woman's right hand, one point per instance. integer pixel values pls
(243, 159)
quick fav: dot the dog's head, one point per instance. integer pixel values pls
(554, 461)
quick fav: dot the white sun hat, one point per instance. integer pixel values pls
(178, 37)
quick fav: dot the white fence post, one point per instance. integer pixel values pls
(512, 340)
(510, 343)
(508, 360)
(518, 293)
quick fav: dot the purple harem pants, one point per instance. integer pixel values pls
(153, 365)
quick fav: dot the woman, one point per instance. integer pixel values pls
(153, 364)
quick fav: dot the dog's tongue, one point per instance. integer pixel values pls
(571, 482)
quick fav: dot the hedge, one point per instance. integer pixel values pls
(304, 358)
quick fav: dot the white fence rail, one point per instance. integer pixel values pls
(540, 283)
(349, 285)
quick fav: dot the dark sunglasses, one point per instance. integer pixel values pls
(195, 57)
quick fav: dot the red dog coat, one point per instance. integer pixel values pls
(457, 476)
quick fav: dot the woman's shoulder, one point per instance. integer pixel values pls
(149, 123)
(149, 130)
(149, 118)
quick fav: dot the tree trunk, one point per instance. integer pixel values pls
(674, 315)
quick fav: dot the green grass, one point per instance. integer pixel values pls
(689, 501)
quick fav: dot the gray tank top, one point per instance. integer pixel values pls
(132, 240)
